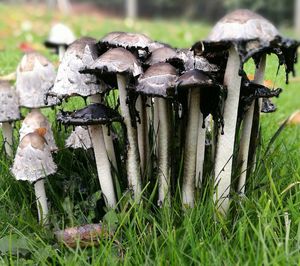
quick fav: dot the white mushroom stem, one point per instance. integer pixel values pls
(133, 160)
(7, 131)
(103, 165)
(164, 167)
(200, 151)
(225, 145)
(190, 149)
(61, 52)
(107, 137)
(247, 128)
(41, 200)
(142, 130)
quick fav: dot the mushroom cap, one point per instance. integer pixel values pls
(117, 60)
(59, 34)
(165, 55)
(92, 114)
(192, 61)
(79, 139)
(35, 75)
(69, 82)
(159, 80)
(35, 120)
(33, 159)
(194, 79)
(126, 40)
(243, 24)
(9, 103)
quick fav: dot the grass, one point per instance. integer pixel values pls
(256, 233)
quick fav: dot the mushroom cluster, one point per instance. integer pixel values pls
(174, 107)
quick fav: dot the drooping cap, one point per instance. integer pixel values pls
(92, 114)
(9, 103)
(35, 75)
(79, 139)
(59, 35)
(33, 159)
(194, 79)
(34, 120)
(69, 82)
(114, 61)
(159, 80)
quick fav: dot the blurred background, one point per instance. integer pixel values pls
(279, 11)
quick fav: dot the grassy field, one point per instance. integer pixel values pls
(263, 229)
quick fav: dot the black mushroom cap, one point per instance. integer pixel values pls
(92, 114)
(165, 55)
(159, 81)
(112, 62)
(268, 106)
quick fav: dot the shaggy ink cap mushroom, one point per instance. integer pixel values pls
(69, 82)
(9, 103)
(35, 75)
(35, 120)
(33, 159)
(60, 35)
(92, 114)
(79, 139)
(158, 81)
(112, 62)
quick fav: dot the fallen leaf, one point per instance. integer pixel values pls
(294, 119)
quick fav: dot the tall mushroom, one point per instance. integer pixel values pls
(241, 34)
(120, 65)
(194, 81)
(33, 162)
(59, 38)
(93, 116)
(9, 112)
(159, 82)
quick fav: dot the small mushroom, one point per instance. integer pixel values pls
(59, 38)
(33, 162)
(159, 81)
(9, 112)
(34, 120)
(94, 116)
(119, 67)
(79, 139)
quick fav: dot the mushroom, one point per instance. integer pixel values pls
(120, 65)
(79, 139)
(59, 38)
(194, 81)
(93, 116)
(9, 112)
(35, 75)
(34, 120)
(159, 81)
(243, 34)
(33, 162)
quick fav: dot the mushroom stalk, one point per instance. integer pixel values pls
(61, 52)
(42, 206)
(190, 149)
(7, 131)
(142, 130)
(247, 129)
(107, 137)
(164, 166)
(200, 151)
(133, 167)
(103, 165)
(225, 145)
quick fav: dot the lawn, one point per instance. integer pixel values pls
(263, 228)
